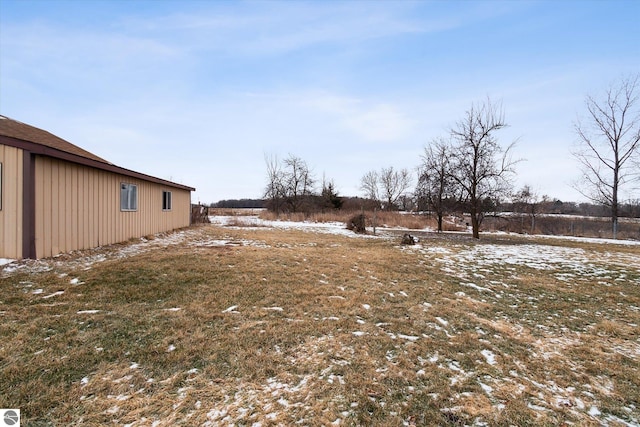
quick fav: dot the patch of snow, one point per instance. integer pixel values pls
(487, 389)
(55, 294)
(489, 356)
(113, 410)
(366, 306)
(442, 321)
(408, 337)
(88, 311)
(337, 228)
(594, 412)
(273, 308)
(474, 286)
(4, 261)
(230, 309)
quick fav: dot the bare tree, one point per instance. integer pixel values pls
(274, 191)
(481, 168)
(298, 181)
(369, 185)
(526, 201)
(609, 140)
(393, 183)
(386, 186)
(435, 186)
(288, 183)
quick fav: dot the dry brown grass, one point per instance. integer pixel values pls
(381, 219)
(220, 326)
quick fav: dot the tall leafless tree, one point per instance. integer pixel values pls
(386, 186)
(274, 191)
(393, 184)
(369, 185)
(435, 186)
(609, 140)
(298, 181)
(288, 183)
(481, 167)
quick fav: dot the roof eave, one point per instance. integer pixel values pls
(43, 150)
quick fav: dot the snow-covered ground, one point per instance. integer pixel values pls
(337, 228)
(525, 254)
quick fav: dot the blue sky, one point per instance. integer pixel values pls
(199, 92)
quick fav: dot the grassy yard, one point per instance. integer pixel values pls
(263, 326)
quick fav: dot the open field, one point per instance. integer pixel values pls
(275, 324)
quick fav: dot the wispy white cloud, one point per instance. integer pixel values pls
(369, 121)
(267, 28)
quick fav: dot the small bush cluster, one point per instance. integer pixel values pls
(357, 223)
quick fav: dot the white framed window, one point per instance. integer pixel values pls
(166, 200)
(128, 197)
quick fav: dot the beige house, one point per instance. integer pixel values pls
(56, 197)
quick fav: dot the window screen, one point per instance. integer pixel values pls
(166, 200)
(128, 197)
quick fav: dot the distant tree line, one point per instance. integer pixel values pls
(239, 204)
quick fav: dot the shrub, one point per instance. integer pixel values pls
(357, 223)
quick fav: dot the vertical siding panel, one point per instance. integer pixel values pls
(81, 209)
(61, 190)
(92, 225)
(11, 213)
(86, 237)
(112, 219)
(54, 195)
(65, 211)
(39, 206)
(18, 190)
(47, 207)
(114, 224)
(115, 227)
(86, 217)
(98, 226)
(95, 219)
(105, 218)
(6, 248)
(89, 237)
(74, 207)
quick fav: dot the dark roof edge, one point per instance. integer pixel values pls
(44, 150)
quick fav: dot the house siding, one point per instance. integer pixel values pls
(78, 207)
(11, 203)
